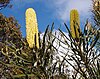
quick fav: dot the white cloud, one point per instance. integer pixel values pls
(62, 8)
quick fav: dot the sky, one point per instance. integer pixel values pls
(49, 11)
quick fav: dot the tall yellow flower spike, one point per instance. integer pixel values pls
(74, 23)
(31, 28)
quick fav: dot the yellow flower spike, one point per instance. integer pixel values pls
(31, 28)
(74, 24)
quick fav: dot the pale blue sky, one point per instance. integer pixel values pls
(49, 11)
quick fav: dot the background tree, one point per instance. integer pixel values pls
(4, 3)
(10, 39)
(96, 18)
(96, 12)
(10, 30)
